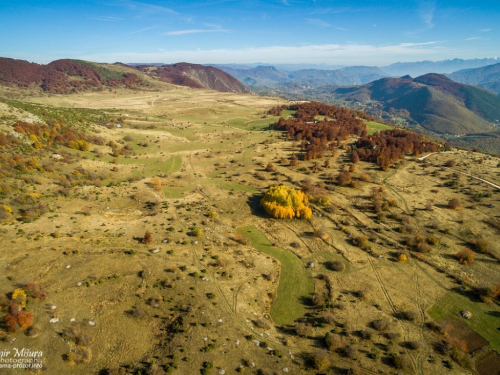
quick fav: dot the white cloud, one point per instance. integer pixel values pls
(342, 54)
(426, 12)
(140, 31)
(472, 38)
(317, 22)
(485, 30)
(195, 31)
(147, 8)
(105, 18)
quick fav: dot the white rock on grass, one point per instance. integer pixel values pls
(53, 320)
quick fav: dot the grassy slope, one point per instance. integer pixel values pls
(376, 127)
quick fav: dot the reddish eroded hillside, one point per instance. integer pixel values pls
(63, 76)
(196, 76)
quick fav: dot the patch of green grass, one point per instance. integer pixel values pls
(106, 73)
(295, 283)
(155, 166)
(174, 192)
(287, 113)
(232, 186)
(484, 315)
(376, 127)
(185, 133)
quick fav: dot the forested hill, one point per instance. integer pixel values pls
(437, 103)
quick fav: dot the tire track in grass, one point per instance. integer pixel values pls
(394, 309)
(238, 289)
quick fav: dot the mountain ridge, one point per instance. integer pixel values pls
(67, 76)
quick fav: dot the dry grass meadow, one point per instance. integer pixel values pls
(223, 285)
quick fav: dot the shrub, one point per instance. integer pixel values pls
(351, 351)
(5, 211)
(402, 361)
(450, 163)
(333, 341)
(466, 256)
(380, 324)
(302, 329)
(454, 204)
(148, 238)
(432, 240)
(354, 157)
(335, 265)
(361, 241)
(344, 178)
(196, 232)
(410, 315)
(320, 361)
(414, 345)
(480, 245)
(156, 183)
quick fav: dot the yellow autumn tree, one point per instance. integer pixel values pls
(282, 202)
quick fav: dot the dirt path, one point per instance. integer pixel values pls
(463, 173)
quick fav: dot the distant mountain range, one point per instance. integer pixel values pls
(487, 77)
(276, 78)
(266, 77)
(69, 76)
(446, 66)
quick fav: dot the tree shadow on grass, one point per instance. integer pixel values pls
(254, 203)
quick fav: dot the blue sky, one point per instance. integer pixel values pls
(223, 31)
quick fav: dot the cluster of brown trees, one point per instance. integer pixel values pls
(391, 145)
(317, 137)
(276, 111)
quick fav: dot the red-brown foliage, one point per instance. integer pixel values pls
(466, 256)
(391, 145)
(18, 319)
(148, 238)
(35, 291)
(317, 137)
(58, 76)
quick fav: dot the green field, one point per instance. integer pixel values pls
(376, 127)
(295, 283)
(484, 320)
(154, 166)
